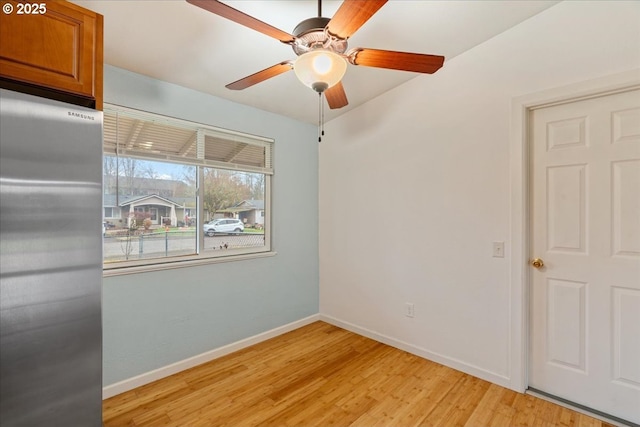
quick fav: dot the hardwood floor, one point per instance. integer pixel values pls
(321, 375)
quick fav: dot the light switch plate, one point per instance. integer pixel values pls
(498, 249)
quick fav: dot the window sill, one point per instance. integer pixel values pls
(110, 271)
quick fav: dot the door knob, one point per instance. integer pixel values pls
(537, 263)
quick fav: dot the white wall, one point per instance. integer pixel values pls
(439, 146)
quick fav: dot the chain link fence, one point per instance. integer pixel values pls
(121, 245)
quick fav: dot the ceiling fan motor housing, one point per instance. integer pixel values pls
(310, 34)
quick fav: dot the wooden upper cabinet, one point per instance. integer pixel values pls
(53, 44)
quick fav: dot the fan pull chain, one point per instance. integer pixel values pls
(320, 118)
(322, 112)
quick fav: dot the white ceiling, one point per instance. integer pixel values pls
(177, 42)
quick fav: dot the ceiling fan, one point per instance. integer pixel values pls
(321, 46)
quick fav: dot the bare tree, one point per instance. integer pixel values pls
(127, 171)
(257, 186)
(110, 172)
(148, 171)
(126, 243)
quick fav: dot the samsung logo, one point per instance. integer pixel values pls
(81, 116)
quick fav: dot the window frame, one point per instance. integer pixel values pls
(107, 217)
(201, 256)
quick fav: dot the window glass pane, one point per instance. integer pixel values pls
(161, 174)
(232, 203)
(152, 207)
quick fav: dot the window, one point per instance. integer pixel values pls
(166, 182)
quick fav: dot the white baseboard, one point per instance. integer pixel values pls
(157, 374)
(148, 377)
(418, 351)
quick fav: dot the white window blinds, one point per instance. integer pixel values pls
(136, 134)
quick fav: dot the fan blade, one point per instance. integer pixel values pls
(261, 76)
(404, 61)
(221, 9)
(336, 97)
(351, 15)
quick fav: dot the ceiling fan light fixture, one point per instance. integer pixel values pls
(320, 69)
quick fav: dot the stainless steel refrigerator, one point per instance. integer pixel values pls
(50, 263)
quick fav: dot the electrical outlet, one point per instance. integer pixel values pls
(409, 310)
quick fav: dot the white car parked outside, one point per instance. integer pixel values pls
(223, 225)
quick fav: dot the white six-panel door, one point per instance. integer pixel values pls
(585, 218)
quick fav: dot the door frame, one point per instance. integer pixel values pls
(520, 227)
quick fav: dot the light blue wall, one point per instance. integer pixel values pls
(154, 319)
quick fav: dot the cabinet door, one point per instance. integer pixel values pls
(54, 44)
